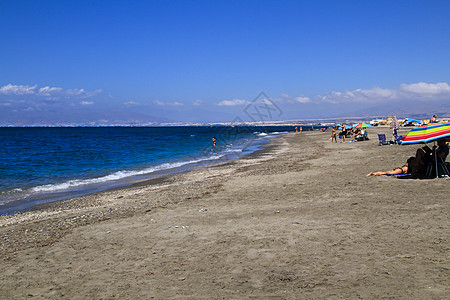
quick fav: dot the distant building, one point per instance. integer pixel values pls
(389, 120)
(378, 122)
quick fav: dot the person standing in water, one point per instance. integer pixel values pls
(214, 140)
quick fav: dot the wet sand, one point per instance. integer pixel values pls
(297, 220)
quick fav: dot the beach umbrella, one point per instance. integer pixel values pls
(363, 125)
(410, 120)
(427, 133)
(394, 124)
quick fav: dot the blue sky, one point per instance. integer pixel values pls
(207, 60)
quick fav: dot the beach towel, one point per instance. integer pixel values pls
(401, 174)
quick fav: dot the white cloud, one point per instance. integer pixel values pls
(157, 102)
(46, 92)
(360, 95)
(302, 99)
(404, 92)
(197, 102)
(131, 103)
(81, 93)
(234, 102)
(299, 99)
(86, 102)
(426, 89)
(11, 89)
(76, 92)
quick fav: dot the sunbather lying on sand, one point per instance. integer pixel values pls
(417, 165)
(406, 168)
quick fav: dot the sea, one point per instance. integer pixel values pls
(41, 165)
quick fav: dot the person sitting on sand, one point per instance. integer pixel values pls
(433, 119)
(426, 155)
(442, 150)
(357, 134)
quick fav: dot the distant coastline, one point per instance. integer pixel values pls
(305, 122)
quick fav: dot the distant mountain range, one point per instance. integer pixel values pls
(69, 118)
(95, 117)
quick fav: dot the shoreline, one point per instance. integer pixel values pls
(297, 219)
(97, 207)
(176, 167)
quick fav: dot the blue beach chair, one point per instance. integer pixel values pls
(382, 139)
(398, 139)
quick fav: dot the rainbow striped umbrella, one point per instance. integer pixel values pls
(363, 125)
(427, 133)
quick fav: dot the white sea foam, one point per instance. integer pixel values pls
(278, 132)
(116, 176)
(233, 150)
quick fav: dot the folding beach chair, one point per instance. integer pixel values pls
(382, 140)
(366, 136)
(397, 139)
(443, 168)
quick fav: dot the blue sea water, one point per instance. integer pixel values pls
(40, 165)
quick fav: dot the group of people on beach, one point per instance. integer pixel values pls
(357, 134)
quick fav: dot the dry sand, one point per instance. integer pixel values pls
(298, 220)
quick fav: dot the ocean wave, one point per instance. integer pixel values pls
(117, 176)
(233, 150)
(278, 132)
(10, 192)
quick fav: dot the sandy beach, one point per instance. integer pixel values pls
(297, 220)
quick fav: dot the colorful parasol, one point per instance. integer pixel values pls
(394, 124)
(427, 133)
(363, 125)
(412, 121)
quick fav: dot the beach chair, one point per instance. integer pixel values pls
(382, 140)
(398, 139)
(443, 168)
(366, 136)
